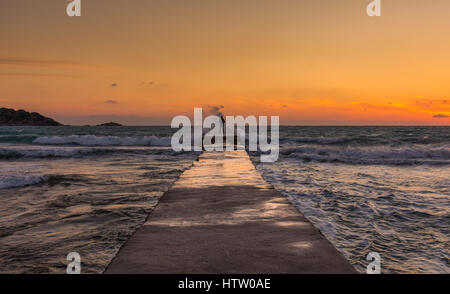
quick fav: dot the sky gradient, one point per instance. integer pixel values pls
(312, 62)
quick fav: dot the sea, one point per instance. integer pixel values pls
(87, 189)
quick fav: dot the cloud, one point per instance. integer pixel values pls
(434, 105)
(114, 85)
(441, 116)
(214, 110)
(284, 106)
(42, 62)
(379, 106)
(111, 102)
(42, 75)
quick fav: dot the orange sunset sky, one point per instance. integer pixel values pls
(312, 62)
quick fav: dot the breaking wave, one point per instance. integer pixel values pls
(8, 153)
(92, 140)
(67, 152)
(16, 181)
(400, 156)
(322, 140)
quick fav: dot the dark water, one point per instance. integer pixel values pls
(78, 189)
(86, 189)
(372, 189)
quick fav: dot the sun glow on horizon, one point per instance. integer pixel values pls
(310, 63)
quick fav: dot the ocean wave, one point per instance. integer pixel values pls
(92, 140)
(364, 140)
(15, 181)
(436, 156)
(24, 180)
(23, 139)
(321, 140)
(12, 153)
(8, 153)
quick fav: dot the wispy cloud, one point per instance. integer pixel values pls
(114, 85)
(380, 106)
(111, 102)
(433, 105)
(43, 62)
(441, 116)
(42, 75)
(214, 110)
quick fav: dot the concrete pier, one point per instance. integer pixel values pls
(221, 217)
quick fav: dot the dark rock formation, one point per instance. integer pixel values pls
(110, 124)
(11, 117)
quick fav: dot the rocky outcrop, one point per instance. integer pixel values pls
(110, 124)
(11, 117)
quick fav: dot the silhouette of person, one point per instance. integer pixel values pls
(223, 123)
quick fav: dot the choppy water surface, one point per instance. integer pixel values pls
(86, 189)
(78, 189)
(372, 189)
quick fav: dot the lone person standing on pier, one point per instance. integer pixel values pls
(223, 124)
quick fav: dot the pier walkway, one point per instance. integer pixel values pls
(221, 217)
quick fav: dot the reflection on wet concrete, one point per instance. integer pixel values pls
(222, 217)
(222, 169)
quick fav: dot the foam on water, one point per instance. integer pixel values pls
(83, 189)
(400, 212)
(438, 155)
(7, 182)
(36, 152)
(86, 189)
(371, 189)
(92, 140)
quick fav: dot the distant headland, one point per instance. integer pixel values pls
(110, 124)
(11, 117)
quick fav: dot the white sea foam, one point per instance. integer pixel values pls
(12, 153)
(428, 155)
(368, 208)
(14, 181)
(322, 140)
(92, 140)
